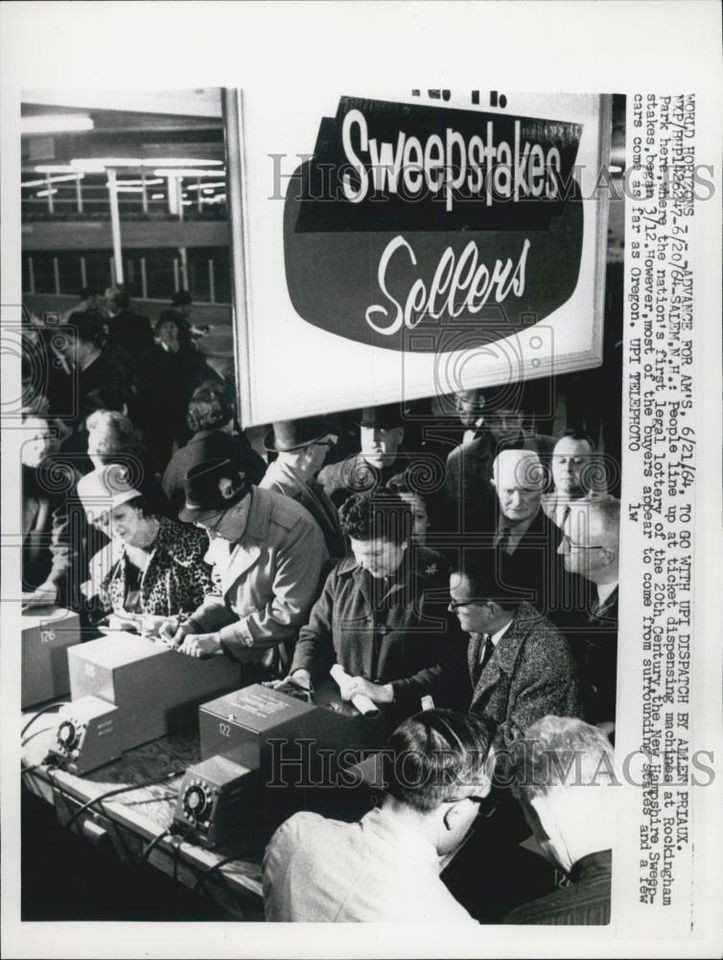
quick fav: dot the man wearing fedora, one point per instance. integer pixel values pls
(301, 447)
(268, 555)
(381, 434)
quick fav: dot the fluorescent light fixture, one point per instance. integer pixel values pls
(139, 183)
(40, 183)
(45, 193)
(55, 123)
(204, 186)
(54, 168)
(158, 196)
(180, 162)
(162, 172)
(129, 189)
(98, 164)
(88, 166)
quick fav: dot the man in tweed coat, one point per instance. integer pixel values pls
(520, 665)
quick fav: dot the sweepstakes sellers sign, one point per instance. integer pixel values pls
(402, 247)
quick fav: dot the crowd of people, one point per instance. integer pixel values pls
(465, 566)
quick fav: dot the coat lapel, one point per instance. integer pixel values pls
(505, 656)
(245, 553)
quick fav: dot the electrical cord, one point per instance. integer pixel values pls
(179, 835)
(211, 870)
(150, 847)
(48, 709)
(127, 788)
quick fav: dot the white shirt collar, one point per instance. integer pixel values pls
(605, 590)
(496, 637)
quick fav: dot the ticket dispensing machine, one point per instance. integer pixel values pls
(127, 690)
(47, 634)
(281, 753)
(155, 688)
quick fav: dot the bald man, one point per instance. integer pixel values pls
(493, 420)
(590, 548)
(524, 543)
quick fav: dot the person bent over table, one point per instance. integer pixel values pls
(381, 614)
(267, 554)
(152, 565)
(385, 867)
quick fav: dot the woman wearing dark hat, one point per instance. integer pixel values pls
(268, 555)
(301, 447)
(152, 565)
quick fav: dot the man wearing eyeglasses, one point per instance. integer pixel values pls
(590, 548)
(520, 666)
(268, 555)
(385, 868)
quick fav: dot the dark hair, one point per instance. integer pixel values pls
(121, 299)
(573, 434)
(435, 753)
(109, 397)
(211, 406)
(479, 571)
(404, 483)
(181, 299)
(374, 516)
(556, 751)
(143, 504)
(182, 325)
(89, 326)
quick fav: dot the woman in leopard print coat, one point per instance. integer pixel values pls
(175, 580)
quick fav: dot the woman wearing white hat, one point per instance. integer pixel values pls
(152, 565)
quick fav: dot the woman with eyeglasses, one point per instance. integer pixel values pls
(153, 567)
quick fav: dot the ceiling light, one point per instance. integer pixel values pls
(180, 162)
(55, 123)
(162, 172)
(204, 186)
(139, 183)
(40, 183)
(158, 196)
(54, 168)
(45, 193)
(88, 166)
(98, 164)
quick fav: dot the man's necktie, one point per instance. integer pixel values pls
(565, 515)
(503, 543)
(486, 650)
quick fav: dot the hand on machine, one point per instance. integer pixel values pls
(183, 636)
(297, 684)
(46, 595)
